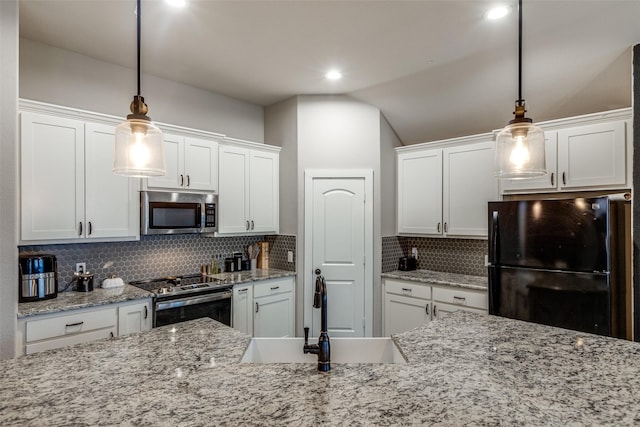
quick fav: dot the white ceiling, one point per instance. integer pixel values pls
(436, 69)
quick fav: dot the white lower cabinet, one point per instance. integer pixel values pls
(135, 317)
(409, 304)
(265, 309)
(243, 308)
(49, 331)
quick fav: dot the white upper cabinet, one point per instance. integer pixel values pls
(591, 152)
(420, 192)
(249, 190)
(592, 155)
(192, 164)
(469, 183)
(68, 189)
(444, 191)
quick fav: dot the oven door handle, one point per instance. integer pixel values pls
(217, 296)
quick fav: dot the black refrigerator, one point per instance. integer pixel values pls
(562, 262)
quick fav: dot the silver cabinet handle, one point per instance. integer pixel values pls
(552, 179)
(80, 232)
(181, 180)
(257, 307)
(68, 325)
(438, 227)
(564, 178)
(188, 181)
(90, 228)
(459, 300)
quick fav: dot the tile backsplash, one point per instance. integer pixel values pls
(157, 256)
(464, 256)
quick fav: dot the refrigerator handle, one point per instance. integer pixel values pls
(494, 290)
(494, 241)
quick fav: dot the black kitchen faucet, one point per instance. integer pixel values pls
(323, 348)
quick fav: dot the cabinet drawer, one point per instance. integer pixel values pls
(410, 289)
(455, 296)
(272, 288)
(70, 340)
(71, 324)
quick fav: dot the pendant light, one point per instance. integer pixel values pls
(520, 145)
(139, 150)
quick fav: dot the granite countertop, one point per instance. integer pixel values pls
(467, 369)
(479, 283)
(72, 300)
(252, 275)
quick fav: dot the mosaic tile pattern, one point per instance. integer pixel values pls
(391, 251)
(279, 245)
(151, 257)
(463, 256)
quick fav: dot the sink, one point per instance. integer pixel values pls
(343, 350)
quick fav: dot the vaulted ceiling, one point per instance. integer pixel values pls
(436, 69)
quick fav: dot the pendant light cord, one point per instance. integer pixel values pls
(519, 51)
(138, 13)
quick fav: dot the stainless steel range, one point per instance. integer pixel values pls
(182, 298)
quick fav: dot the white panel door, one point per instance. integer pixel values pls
(201, 164)
(174, 160)
(233, 210)
(420, 192)
(52, 177)
(134, 318)
(339, 252)
(242, 309)
(112, 203)
(592, 155)
(469, 184)
(263, 192)
(402, 313)
(273, 315)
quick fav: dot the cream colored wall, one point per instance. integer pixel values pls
(9, 173)
(58, 76)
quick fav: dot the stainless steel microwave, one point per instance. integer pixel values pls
(178, 213)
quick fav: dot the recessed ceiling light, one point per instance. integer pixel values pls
(176, 3)
(497, 12)
(333, 75)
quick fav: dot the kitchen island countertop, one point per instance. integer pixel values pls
(465, 369)
(431, 277)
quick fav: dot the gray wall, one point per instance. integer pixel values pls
(62, 77)
(9, 173)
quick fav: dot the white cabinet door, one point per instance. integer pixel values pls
(52, 177)
(592, 155)
(420, 192)
(550, 180)
(243, 308)
(112, 203)
(233, 211)
(134, 318)
(273, 308)
(201, 164)
(263, 192)
(174, 161)
(468, 184)
(402, 313)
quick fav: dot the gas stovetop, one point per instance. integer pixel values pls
(172, 286)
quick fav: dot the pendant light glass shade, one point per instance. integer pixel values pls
(520, 152)
(139, 150)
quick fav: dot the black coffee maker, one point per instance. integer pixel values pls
(38, 277)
